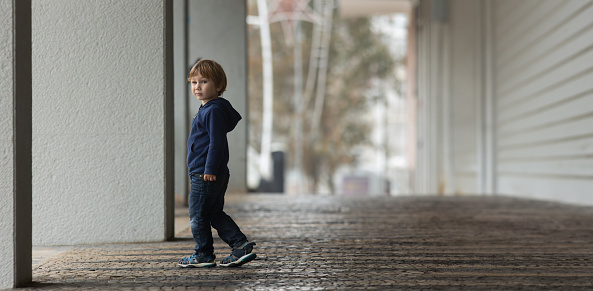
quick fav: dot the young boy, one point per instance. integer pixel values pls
(207, 159)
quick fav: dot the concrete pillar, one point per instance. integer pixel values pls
(487, 104)
(15, 143)
(218, 31)
(429, 90)
(102, 121)
(169, 126)
(182, 96)
(435, 167)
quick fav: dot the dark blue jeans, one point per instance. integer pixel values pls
(206, 202)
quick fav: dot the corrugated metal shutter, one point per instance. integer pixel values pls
(543, 64)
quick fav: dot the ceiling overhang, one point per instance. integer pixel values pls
(361, 8)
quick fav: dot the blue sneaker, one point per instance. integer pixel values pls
(195, 261)
(239, 256)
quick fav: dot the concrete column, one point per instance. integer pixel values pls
(169, 126)
(429, 90)
(487, 130)
(182, 96)
(102, 121)
(218, 31)
(15, 143)
(436, 132)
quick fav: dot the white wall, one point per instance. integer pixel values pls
(6, 146)
(99, 127)
(544, 90)
(218, 31)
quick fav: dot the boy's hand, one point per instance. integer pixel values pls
(208, 177)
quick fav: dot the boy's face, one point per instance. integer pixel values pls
(203, 88)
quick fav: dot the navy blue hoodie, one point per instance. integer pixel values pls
(207, 145)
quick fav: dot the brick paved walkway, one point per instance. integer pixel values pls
(318, 243)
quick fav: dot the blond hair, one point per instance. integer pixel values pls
(211, 70)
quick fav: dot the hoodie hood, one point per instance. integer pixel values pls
(232, 116)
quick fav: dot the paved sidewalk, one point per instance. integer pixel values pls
(337, 243)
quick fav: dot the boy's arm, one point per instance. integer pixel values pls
(216, 127)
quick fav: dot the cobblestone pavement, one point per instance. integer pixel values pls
(337, 243)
